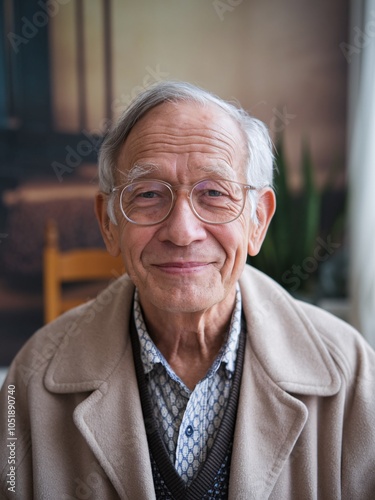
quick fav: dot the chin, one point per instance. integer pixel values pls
(180, 301)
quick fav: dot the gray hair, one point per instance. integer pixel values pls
(259, 163)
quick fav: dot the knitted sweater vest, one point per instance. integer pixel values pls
(212, 480)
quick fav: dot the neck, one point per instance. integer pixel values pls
(190, 341)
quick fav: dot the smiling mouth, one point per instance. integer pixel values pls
(179, 267)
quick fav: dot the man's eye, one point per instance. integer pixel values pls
(148, 194)
(214, 193)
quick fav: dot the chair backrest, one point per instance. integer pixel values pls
(73, 266)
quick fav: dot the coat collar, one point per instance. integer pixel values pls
(284, 340)
(268, 425)
(280, 334)
(284, 356)
(95, 356)
(284, 353)
(94, 339)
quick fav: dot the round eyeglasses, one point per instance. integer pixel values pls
(150, 201)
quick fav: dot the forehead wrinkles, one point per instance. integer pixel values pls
(198, 140)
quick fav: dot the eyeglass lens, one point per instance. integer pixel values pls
(149, 201)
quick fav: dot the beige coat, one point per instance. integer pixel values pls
(306, 415)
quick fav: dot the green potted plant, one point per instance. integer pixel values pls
(296, 245)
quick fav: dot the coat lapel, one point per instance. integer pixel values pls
(268, 424)
(95, 356)
(284, 357)
(281, 336)
(111, 421)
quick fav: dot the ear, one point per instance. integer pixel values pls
(110, 231)
(265, 209)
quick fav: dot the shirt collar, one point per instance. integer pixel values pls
(229, 351)
(151, 356)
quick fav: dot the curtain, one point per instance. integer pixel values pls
(360, 55)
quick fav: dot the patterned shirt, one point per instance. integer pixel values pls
(188, 420)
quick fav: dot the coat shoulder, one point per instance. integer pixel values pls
(73, 328)
(346, 345)
(278, 319)
(41, 347)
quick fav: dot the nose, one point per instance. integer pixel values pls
(182, 227)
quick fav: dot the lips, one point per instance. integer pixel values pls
(182, 265)
(180, 268)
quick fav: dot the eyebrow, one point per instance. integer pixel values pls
(137, 171)
(223, 171)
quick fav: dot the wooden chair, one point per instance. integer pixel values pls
(82, 266)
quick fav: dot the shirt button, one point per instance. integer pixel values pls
(189, 431)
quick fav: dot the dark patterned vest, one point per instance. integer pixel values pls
(212, 480)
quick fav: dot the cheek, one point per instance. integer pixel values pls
(131, 246)
(234, 241)
(134, 241)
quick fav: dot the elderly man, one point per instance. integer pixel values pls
(193, 376)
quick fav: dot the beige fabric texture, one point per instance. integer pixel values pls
(306, 413)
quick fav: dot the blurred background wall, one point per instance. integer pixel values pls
(71, 64)
(68, 68)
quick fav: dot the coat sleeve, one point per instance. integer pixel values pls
(15, 455)
(15, 436)
(355, 360)
(358, 444)
(355, 415)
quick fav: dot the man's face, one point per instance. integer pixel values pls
(184, 264)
